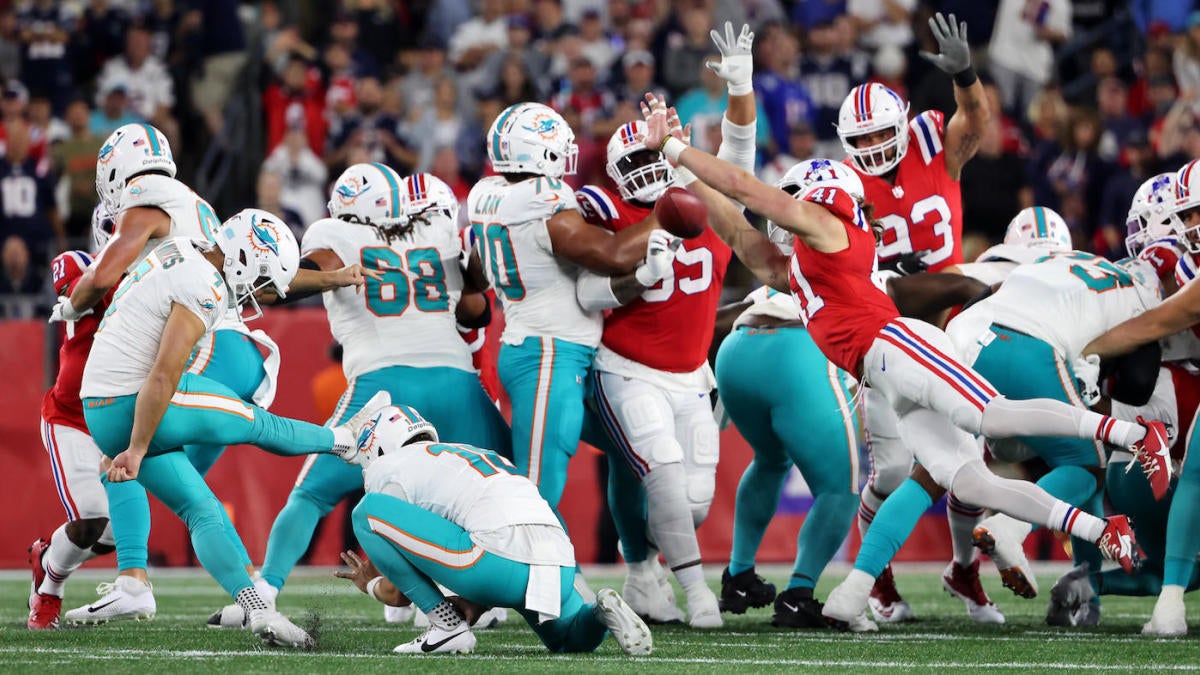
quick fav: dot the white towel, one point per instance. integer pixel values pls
(543, 593)
(265, 394)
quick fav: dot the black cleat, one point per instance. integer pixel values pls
(743, 591)
(796, 609)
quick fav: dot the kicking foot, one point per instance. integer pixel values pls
(345, 435)
(121, 600)
(233, 616)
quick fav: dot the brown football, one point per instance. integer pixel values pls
(681, 213)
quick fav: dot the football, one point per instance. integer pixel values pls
(681, 213)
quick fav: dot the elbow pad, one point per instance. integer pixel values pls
(594, 292)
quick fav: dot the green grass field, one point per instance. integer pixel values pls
(353, 638)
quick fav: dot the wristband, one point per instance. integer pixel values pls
(740, 88)
(672, 147)
(965, 78)
(641, 274)
(372, 585)
(684, 176)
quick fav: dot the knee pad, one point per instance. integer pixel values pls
(700, 463)
(662, 450)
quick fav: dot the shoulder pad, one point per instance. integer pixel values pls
(929, 129)
(536, 199)
(152, 190)
(596, 204)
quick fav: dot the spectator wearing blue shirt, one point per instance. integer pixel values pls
(828, 74)
(45, 28)
(783, 98)
(113, 111)
(27, 205)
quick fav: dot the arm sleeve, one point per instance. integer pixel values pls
(594, 292)
(737, 143)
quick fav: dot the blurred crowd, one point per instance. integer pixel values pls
(1089, 97)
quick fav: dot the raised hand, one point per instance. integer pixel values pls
(954, 53)
(654, 110)
(736, 66)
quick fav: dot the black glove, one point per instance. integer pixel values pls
(906, 263)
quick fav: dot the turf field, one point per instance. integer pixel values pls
(353, 637)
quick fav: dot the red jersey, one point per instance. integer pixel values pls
(923, 210)
(669, 327)
(61, 405)
(839, 301)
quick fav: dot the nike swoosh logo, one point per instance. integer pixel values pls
(553, 198)
(741, 594)
(96, 608)
(790, 607)
(431, 646)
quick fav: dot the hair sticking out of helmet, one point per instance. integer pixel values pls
(873, 127)
(641, 174)
(1038, 227)
(532, 138)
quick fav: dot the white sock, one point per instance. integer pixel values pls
(963, 519)
(1112, 430)
(1004, 418)
(249, 600)
(62, 558)
(669, 520)
(1077, 523)
(445, 616)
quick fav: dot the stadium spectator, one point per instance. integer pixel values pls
(1170, 16)
(445, 16)
(582, 96)
(370, 128)
(1112, 97)
(46, 129)
(268, 190)
(783, 97)
(597, 45)
(883, 22)
(44, 28)
(222, 48)
(446, 166)
(14, 107)
(162, 20)
(638, 69)
(99, 37)
(1153, 65)
(1046, 114)
(20, 282)
(549, 20)
(521, 49)
(443, 126)
(1070, 177)
(994, 184)
(27, 202)
(808, 14)
(513, 85)
(1179, 131)
(479, 36)
(686, 50)
(802, 145)
(10, 45)
(1137, 164)
(1021, 53)
(1185, 60)
(112, 111)
(148, 85)
(304, 176)
(296, 100)
(429, 66)
(74, 160)
(706, 103)
(828, 72)
(379, 27)
(888, 67)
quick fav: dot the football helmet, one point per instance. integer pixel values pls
(1148, 219)
(805, 174)
(532, 138)
(1038, 226)
(424, 196)
(1186, 197)
(130, 150)
(368, 194)
(260, 250)
(104, 226)
(870, 108)
(391, 429)
(67, 267)
(640, 173)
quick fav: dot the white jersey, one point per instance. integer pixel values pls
(127, 340)
(995, 264)
(769, 302)
(407, 318)
(1067, 300)
(475, 489)
(535, 287)
(190, 215)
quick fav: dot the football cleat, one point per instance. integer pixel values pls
(1118, 544)
(44, 612)
(345, 435)
(491, 618)
(703, 609)
(36, 550)
(743, 591)
(1170, 616)
(457, 640)
(276, 630)
(626, 627)
(794, 610)
(1153, 452)
(123, 599)
(233, 616)
(846, 606)
(963, 583)
(1071, 593)
(643, 591)
(398, 614)
(993, 537)
(885, 602)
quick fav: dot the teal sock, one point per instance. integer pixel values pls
(757, 499)
(1183, 527)
(129, 517)
(823, 532)
(288, 437)
(290, 536)
(894, 521)
(627, 504)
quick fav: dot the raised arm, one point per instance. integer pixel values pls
(1179, 312)
(964, 130)
(739, 124)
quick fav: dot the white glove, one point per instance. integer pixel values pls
(64, 311)
(737, 61)
(1087, 375)
(660, 255)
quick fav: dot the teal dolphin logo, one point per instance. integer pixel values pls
(264, 235)
(543, 126)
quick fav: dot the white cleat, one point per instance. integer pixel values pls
(345, 435)
(846, 606)
(122, 600)
(643, 591)
(398, 614)
(703, 609)
(1003, 538)
(420, 619)
(491, 618)
(233, 616)
(1170, 616)
(458, 640)
(277, 630)
(626, 627)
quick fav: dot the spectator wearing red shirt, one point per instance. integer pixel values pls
(297, 101)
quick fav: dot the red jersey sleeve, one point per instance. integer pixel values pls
(838, 202)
